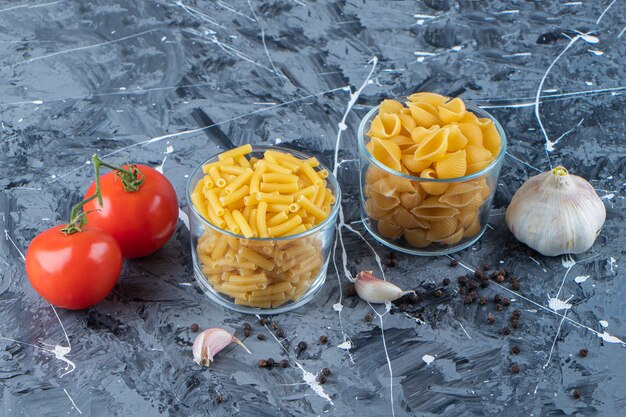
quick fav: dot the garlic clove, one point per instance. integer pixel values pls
(556, 213)
(210, 342)
(375, 290)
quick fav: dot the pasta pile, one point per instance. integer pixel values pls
(276, 196)
(433, 137)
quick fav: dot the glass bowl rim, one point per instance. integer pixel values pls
(497, 160)
(332, 216)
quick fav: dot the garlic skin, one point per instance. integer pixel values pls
(556, 213)
(210, 342)
(375, 290)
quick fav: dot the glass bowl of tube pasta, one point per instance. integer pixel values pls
(429, 166)
(262, 222)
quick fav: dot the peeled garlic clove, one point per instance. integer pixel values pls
(556, 213)
(375, 290)
(210, 342)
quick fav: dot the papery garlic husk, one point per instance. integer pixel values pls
(375, 290)
(210, 342)
(556, 213)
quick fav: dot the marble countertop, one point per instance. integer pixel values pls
(123, 78)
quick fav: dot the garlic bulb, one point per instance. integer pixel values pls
(210, 342)
(375, 290)
(556, 213)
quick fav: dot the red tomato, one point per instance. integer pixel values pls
(141, 221)
(74, 271)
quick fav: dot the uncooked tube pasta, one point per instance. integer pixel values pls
(432, 137)
(276, 196)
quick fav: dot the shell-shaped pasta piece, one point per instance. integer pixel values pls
(432, 209)
(453, 238)
(416, 237)
(468, 213)
(413, 165)
(412, 199)
(374, 173)
(476, 153)
(451, 165)
(392, 185)
(385, 125)
(407, 122)
(387, 152)
(470, 117)
(472, 132)
(404, 218)
(430, 98)
(390, 106)
(403, 141)
(456, 139)
(491, 139)
(381, 186)
(374, 211)
(452, 111)
(433, 147)
(442, 228)
(385, 202)
(424, 114)
(473, 228)
(477, 166)
(433, 188)
(460, 194)
(419, 133)
(389, 229)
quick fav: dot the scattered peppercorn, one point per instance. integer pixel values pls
(219, 398)
(577, 394)
(350, 291)
(473, 294)
(260, 336)
(321, 379)
(515, 285)
(462, 280)
(478, 273)
(486, 267)
(274, 325)
(262, 363)
(454, 263)
(516, 350)
(195, 327)
(517, 313)
(472, 285)
(468, 299)
(583, 353)
(463, 290)
(246, 326)
(498, 307)
(500, 278)
(497, 298)
(302, 346)
(323, 339)
(412, 298)
(368, 317)
(482, 301)
(506, 330)
(484, 284)
(262, 321)
(280, 332)
(446, 281)
(438, 293)
(514, 323)
(490, 318)
(506, 301)
(403, 307)
(515, 368)
(270, 362)
(247, 332)
(326, 371)
(284, 363)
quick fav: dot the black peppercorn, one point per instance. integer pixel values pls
(478, 273)
(515, 285)
(326, 371)
(412, 298)
(446, 281)
(284, 363)
(270, 362)
(515, 368)
(302, 346)
(490, 318)
(195, 327)
(486, 267)
(280, 332)
(350, 291)
(262, 363)
(583, 353)
(321, 379)
(506, 301)
(462, 280)
(454, 263)
(247, 332)
(438, 293)
(472, 285)
(498, 307)
(368, 317)
(246, 326)
(517, 313)
(516, 350)
(514, 323)
(577, 394)
(468, 299)
(260, 336)
(506, 330)
(219, 398)
(323, 339)
(262, 321)
(274, 325)
(482, 301)
(484, 284)
(497, 298)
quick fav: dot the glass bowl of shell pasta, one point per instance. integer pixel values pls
(262, 224)
(429, 166)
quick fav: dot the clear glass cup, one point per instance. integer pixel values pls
(297, 264)
(390, 198)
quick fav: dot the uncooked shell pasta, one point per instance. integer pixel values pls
(433, 137)
(276, 196)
